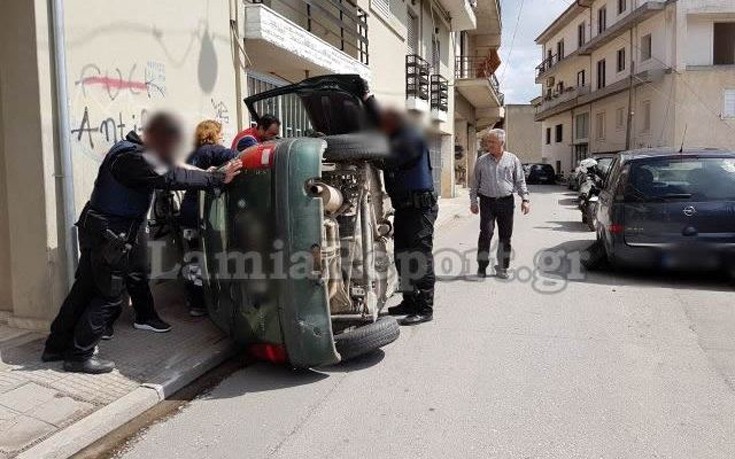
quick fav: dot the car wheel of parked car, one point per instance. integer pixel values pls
(362, 146)
(367, 338)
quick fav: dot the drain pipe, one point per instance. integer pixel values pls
(64, 138)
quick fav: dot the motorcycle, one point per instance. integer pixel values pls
(589, 191)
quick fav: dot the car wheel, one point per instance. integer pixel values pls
(367, 338)
(360, 146)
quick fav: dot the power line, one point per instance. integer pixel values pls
(512, 41)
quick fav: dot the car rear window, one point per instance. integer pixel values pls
(688, 178)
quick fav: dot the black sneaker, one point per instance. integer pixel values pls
(415, 319)
(91, 366)
(155, 325)
(501, 273)
(198, 311)
(108, 333)
(51, 356)
(481, 273)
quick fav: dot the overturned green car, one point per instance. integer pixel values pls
(297, 261)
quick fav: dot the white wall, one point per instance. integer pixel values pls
(127, 58)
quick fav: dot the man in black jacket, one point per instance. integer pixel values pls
(410, 185)
(109, 228)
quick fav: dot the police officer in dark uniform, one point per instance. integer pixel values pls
(109, 228)
(410, 185)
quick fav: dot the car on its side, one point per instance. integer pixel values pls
(664, 209)
(540, 173)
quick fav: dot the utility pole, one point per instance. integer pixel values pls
(629, 126)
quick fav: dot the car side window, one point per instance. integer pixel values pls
(620, 182)
(611, 174)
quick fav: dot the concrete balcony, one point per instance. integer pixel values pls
(461, 13)
(643, 12)
(489, 20)
(556, 103)
(475, 80)
(279, 38)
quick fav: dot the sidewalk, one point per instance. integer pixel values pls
(47, 413)
(39, 400)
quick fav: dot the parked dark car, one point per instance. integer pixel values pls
(541, 173)
(673, 210)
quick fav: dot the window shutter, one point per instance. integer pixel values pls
(729, 106)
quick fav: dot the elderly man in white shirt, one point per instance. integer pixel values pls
(498, 174)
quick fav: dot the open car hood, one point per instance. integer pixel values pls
(332, 103)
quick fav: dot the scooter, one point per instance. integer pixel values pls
(589, 192)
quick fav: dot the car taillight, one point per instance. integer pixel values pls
(616, 228)
(274, 353)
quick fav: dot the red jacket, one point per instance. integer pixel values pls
(246, 139)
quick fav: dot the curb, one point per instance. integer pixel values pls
(88, 430)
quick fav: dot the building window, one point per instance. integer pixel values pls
(724, 43)
(646, 47)
(601, 20)
(559, 133)
(581, 78)
(581, 34)
(729, 103)
(560, 87)
(560, 50)
(620, 118)
(601, 74)
(622, 6)
(646, 116)
(600, 126)
(548, 136)
(621, 59)
(581, 126)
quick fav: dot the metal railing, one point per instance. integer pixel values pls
(341, 23)
(470, 67)
(553, 98)
(439, 93)
(546, 64)
(417, 77)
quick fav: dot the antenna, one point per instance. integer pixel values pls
(684, 137)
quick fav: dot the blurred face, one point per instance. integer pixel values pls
(270, 133)
(493, 145)
(390, 122)
(165, 145)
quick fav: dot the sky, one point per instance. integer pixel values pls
(521, 55)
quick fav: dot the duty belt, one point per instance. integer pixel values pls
(417, 199)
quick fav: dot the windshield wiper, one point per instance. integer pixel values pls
(676, 196)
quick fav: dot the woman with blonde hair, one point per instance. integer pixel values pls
(208, 152)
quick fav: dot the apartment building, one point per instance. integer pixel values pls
(619, 74)
(478, 101)
(522, 132)
(78, 75)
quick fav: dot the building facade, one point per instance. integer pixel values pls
(120, 60)
(620, 74)
(522, 132)
(478, 101)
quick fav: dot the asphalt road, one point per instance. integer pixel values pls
(600, 365)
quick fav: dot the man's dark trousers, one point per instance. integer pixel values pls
(494, 210)
(96, 299)
(414, 245)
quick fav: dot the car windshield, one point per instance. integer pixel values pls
(689, 178)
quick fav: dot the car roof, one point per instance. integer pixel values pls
(645, 153)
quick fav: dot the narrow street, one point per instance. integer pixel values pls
(600, 365)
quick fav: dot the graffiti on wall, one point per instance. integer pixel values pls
(114, 82)
(221, 112)
(108, 103)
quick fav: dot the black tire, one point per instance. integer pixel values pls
(367, 338)
(362, 146)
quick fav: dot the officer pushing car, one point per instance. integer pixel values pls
(109, 229)
(410, 185)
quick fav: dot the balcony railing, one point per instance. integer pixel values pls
(546, 64)
(417, 77)
(340, 23)
(554, 98)
(469, 67)
(439, 93)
